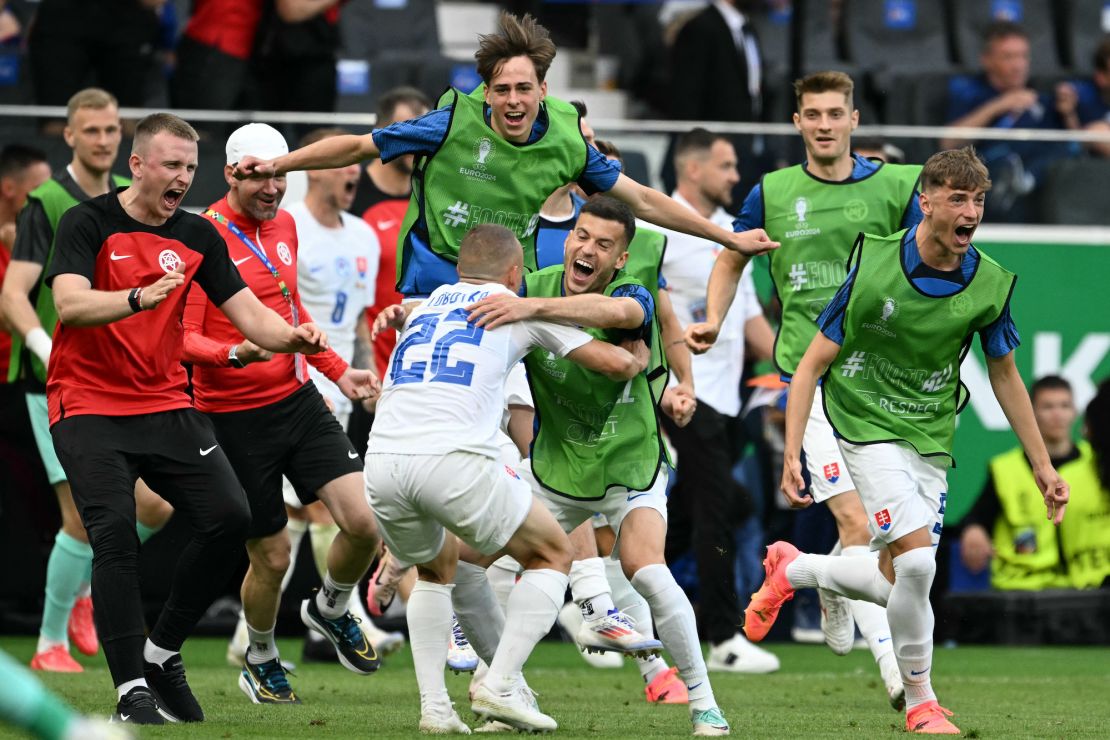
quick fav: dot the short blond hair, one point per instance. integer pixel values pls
(959, 169)
(90, 97)
(156, 123)
(819, 82)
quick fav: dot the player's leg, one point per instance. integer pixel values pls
(205, 490)
(263, 677)
(103, 485)
(641, 527)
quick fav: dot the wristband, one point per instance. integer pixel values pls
(39, 342)
(233, 357)
(133, 299)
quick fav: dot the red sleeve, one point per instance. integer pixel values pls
(328, 362)
(199, 349)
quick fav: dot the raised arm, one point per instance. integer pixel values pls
(662, 210)
(720, 293)
(79, 305)
(1014, 399)
(820, 354)
(326, 154)
(590, 309)
(267, 329)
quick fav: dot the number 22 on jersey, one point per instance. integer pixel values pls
(421, 331)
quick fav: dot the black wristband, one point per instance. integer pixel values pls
(133, 300)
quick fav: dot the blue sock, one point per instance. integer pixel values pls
(70, 562)
(145, 532)
(25, 703)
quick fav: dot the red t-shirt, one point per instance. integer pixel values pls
(131, 366)
(227, 25)
(209, 334)
(385, 218)
(5, 337)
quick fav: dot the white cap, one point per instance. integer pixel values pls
(255, 140)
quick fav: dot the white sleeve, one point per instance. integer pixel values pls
(517, 392)
(556, 338)
(751, 304)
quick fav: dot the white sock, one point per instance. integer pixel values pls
(632, 604)
(911, 622)
(477, 610)
(855, 578)
(502, 577)
(533, 606)
(126, 686)
(674, 618)
(429, 617)
(156, 655)
(296, 529)
(870, 617)
(84, 591)
(332, 597)
(45, 643)
(262, 645)
(589, 589)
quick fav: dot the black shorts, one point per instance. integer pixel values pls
(174, 452)
(296, 437)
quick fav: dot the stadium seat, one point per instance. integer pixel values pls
(1038, 17)
(896, 35)
(375, 30)
(1084, 23)
(818, 36)
(635, 165)
(1074, 192)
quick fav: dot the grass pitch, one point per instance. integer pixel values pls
(996, 692)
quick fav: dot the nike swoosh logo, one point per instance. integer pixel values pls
(125, 717)
(883, 639)
(691, 688)
(383, 225)
(919, 673)
(638, 495)
(352, 455)
(239, 262)
(115, 256)
(205, 452)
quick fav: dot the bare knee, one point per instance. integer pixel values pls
(270, 556)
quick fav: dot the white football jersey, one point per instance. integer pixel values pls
(445, 388)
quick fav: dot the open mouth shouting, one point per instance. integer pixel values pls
(514, 119)
(963, 234)
(171, 199)
(582, 272)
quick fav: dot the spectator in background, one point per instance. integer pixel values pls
(22, 169)
(74, 43)
(1085, 104)
(1097, 423)
(1001, 97)
(213, 55)
(1026, 551)
(295, 53)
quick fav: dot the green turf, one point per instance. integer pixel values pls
(995, 692)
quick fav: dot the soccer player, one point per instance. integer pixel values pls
(598, 447)
(118, 408)
(433, 463)
(270, 421)
(93, 132)
(889, 351)
(703, 502)
(495, 156)
(815, 210)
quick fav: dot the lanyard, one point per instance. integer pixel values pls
(261, 255)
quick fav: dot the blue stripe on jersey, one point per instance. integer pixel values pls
(831, 320)
(641, 295)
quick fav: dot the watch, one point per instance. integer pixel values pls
(232, 358)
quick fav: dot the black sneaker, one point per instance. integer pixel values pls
(266, 683)
(172, 691)
(138, 707)
(317, 649)
(351, 646)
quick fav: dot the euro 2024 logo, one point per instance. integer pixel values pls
(483, 152)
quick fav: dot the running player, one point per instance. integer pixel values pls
(93, 132)
(495, 156)
(598, 446)
(433, 463)
(889, 351)
(272, 421)
(815, 210)
(118, 409)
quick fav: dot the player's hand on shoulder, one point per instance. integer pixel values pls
(499, 309)
(702, 336)
(390, 317)
(249, 352)
(253, 167)
(308, 339)
(359, 385)
(793, 484)
(751, 243)
(1056, 492)
(158, 291)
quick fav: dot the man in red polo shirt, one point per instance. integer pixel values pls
(272, 421)
(118, 407)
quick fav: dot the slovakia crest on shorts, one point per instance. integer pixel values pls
(882, 518)
(362, 265)
(511, 472)
(832, 472)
